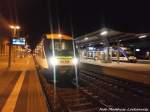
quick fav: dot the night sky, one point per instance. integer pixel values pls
(74, 17)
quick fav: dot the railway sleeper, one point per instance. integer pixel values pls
(82, 106)
(87, 110)
(74, 96)
(77, 102)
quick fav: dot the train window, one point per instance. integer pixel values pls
(57, 46)
(121, 55)
(114, 54)
(62, 47)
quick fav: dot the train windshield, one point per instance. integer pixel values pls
(62, 47)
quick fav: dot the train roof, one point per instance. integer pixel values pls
(58, 36)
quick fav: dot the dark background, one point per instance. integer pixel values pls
(73, 17)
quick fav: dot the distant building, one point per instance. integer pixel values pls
(4, 47)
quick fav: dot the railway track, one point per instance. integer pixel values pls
(71, 99)
(95, 91)
(115, 92)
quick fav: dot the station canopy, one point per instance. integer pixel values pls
(106, 35)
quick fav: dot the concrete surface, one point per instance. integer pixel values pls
(20, 88)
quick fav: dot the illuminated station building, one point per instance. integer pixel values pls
(4, 48)
(102, 43)
(18, 46)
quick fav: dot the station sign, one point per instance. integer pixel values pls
(18, 41)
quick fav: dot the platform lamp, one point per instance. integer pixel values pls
(14, 29)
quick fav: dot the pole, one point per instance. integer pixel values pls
(14, 32)
(9, 60)
(118, 55)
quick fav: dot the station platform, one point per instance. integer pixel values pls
(20, 88)
(144, 61)
(132, 71)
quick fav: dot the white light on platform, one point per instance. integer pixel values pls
(101, 43)
(91, 48)
(137, 50)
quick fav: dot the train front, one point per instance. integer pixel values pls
(61, 57)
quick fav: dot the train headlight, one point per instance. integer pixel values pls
(75, 61)
(53, 61)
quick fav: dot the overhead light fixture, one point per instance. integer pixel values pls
(142, 36)
(131, 45)
(101, 43)
(17, 27)
(86, 38)
(103, 33)
(12, 27)
(137, 50)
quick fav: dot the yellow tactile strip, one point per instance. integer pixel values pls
(12, 99)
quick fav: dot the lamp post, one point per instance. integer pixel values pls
(104, 34)
(14, 29)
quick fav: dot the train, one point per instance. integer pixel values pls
(123, 54)
(57, 57)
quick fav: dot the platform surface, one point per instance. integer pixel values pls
(20, 88)
(131, 71)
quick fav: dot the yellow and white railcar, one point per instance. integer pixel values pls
(56, 53)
